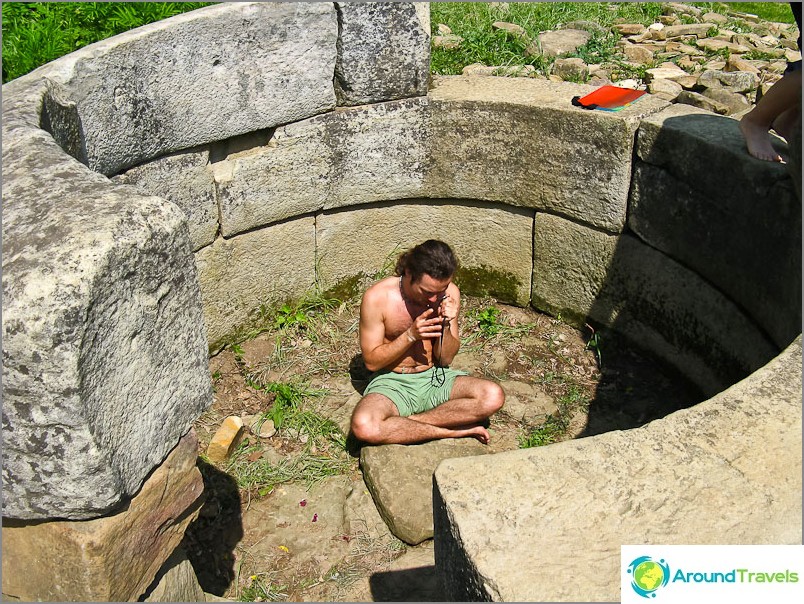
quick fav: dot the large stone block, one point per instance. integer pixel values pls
(109, 559)
(199, 77)
(747, 246)
(184, 179)
(493, 243)
(260, 267)
(638, 291)
(104, 349)
(522, 142)
(343, 158)
(727, 471)
(383, 51)
(400, 479)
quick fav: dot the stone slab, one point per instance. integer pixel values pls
(259, 267)
(104, 345)
(400, 479)
(734, 219)
(152, 90)
(383, 51)
(344, 158)
(520, 141)
(658, 303)
(175, 582)
(727, 471)
(493, 243)
(184, 179)
(109, 559)
(748, 247)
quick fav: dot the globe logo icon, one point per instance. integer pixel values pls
(648, 575)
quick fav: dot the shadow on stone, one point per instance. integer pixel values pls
(410, 585)
(210, 541)
(358, 373)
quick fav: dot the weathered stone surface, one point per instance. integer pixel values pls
(669, 73)
(713, 45)
(104, 347)
(560, 42)
(708, 224)
(400, 479)
(281, 72)
(727, 471)
(175, 582)
(527, 402)
(475, 120)
(343, 158)
(110, 559)
(474, 230)
(383, 51)
(668, 309)
(264, 266)
(184, 179)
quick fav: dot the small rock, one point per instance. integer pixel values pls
(444, 30)
(698, 30)
(735, 63)
(716, 18)
(628, 83)
(669, 20)
(736, 103)
(681, 47)
(734, 81)
(571, 69)
(512, 29)
(501, 7)
(561, 42)
(682, 9)
(666, 89)
(638, 53)
(225, 439)
(668, 73)
(792, 55)
(447, 42)
(713, 45)
(629, 29)
(590, 26)
(698, 100)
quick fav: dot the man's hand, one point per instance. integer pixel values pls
(448, 309)
(425, 327)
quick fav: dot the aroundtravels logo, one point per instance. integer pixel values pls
(702, 574)
(648, 575)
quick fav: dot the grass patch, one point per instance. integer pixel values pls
(35, 33)
(555, 426)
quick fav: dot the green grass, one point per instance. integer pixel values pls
(35, 33)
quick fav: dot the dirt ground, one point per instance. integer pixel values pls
(592, 382)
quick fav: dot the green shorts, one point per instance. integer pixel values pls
(414, 392)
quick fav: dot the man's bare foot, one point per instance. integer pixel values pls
(757, 139)
(478, 432)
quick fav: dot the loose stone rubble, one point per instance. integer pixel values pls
(685, 46)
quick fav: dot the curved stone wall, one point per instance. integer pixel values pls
(244, 152)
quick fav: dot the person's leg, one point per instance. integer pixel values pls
(783, 96)
(471, 401)
(376, 420)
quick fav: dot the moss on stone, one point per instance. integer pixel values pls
(346, 288)
(485, 281)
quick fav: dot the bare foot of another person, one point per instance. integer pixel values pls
(757, 139)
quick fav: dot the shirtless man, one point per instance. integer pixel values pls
(409, 336)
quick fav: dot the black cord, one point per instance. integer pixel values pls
(436, 379)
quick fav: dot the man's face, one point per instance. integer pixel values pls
(428, 291)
